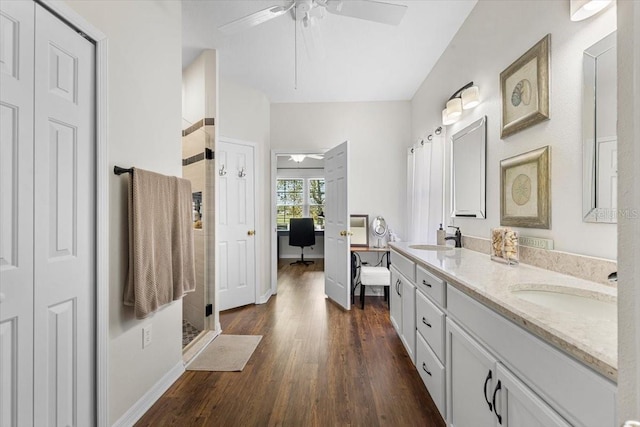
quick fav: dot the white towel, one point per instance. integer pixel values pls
(161, 250)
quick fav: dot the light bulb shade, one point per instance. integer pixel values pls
(583, 9)
(446, 120)
(470, 97)
(454, 108)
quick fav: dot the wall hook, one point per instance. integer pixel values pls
(242, 173)
(222, 172)
(438, 130)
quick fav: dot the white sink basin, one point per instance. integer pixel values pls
(431, 247)
(572, 300)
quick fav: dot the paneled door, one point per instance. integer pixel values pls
(337, 262)
(47, 221)
(236, 224)
(16, 213)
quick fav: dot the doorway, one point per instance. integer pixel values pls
(299, 192)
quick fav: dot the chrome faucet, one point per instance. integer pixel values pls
(457, 237)
(613, 277)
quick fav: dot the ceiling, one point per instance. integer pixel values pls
(353, 60)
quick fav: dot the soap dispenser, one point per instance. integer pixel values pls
(440, 235)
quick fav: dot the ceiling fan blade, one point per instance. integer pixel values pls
(254, 19)
(385, 13)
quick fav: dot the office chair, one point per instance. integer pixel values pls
(301, 233)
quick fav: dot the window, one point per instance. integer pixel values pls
(298, 198)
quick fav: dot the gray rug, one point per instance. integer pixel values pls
(229, 353)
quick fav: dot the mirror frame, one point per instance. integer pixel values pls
(360, 243)
(479, 126)
(590, 211)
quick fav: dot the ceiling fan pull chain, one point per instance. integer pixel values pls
(295, 49)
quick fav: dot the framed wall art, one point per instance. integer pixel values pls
(524, 88)
(524, 190)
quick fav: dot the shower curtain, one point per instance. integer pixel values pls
(425, 189)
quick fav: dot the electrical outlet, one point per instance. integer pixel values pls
(146, 336)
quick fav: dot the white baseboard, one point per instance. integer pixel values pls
(264, 298)
(136, 411)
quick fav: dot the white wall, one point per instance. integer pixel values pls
(494, 35)
(378, 133)
(629, 197)
(244, 114)
(144, 130)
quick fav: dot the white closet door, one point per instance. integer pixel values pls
(64, 225)
(16, 213)
(236, 225)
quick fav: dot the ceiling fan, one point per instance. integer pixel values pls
(307, 11)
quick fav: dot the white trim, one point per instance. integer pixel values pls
(138, 409)
(102, 204)
(264, 298)
(274, 210)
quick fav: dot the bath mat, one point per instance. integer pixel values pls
(229, 353)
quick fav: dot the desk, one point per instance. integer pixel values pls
(363, 249)
(286, 233)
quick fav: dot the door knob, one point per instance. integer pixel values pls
(344, 233)
(251, 232)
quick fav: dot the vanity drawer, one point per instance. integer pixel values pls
(404, 266)
(432, 373)
(431, 286)
(430, 323)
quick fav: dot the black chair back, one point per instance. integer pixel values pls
(301, 232)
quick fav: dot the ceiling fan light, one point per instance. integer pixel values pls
(583, 9)
(470, 97)
(298, 158)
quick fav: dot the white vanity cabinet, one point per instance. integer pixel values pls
(403, 301)
(482, 391)
(484, 352)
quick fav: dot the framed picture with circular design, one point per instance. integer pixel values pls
(524, 88)
(524, 190)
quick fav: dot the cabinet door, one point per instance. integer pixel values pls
(471, 378)
(409, 318)
(395, 301)
(518, 406)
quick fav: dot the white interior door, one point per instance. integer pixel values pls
(16, 213)
(236, 224)
(64, 224)
(337, 271)
(46, 220)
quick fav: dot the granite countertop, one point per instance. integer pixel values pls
(591, 339)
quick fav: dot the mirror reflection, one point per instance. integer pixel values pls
(599, 137)
(468, 170)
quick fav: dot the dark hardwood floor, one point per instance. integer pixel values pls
(317, 365)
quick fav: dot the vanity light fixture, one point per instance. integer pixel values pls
(583, 9)
(468, 96)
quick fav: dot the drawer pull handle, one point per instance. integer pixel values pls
(424, 282)
(425, 322)
(498, 387)
(484, 390)
(424, 368)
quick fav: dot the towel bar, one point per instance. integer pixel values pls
(119, 171)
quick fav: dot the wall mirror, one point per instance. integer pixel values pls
(468, 170)
(599, 136)
(359, 226)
